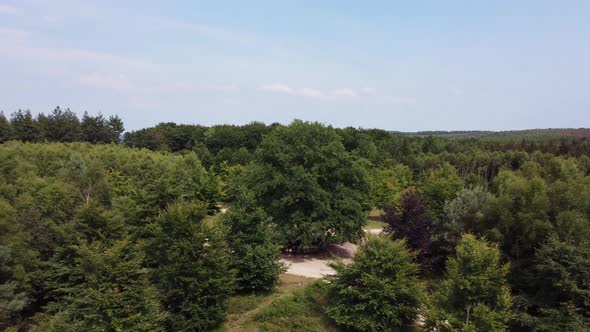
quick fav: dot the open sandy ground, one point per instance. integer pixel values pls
(316, 265)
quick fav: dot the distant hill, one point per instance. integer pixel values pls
(528, 134)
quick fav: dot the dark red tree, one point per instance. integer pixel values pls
(410, 221)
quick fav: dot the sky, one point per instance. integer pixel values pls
(395, 65)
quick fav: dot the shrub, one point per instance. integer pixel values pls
(379, 291)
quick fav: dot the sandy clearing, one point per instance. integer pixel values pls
(316, 265)
(375, 231)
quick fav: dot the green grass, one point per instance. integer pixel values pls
(213, 220)
(241, 304)
(374, 224)
(374, 220)
(300, 311)
(242, 309)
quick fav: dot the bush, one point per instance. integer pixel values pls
(379, 291)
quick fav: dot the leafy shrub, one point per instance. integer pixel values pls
(379, 291)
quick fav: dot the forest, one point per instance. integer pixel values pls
(107, 230)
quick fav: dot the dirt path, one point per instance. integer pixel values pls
(288, 284)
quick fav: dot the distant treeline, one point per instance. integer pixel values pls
(555, 134)
(60, 126)
(234, 145)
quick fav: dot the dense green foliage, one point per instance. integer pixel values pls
(60, 126)
(78, 227)
(91, 234)
(378, 291)
(190, 267)
(315, 191)
(474, 296)
(254, 246)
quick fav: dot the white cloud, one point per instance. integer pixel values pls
(7, 9)
(278, 87)
(309, 92)
(134, 78)
(344, 93)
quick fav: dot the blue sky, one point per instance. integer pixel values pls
(397, 65)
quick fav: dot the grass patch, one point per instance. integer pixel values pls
(300, 311)
(375, 224)
(213, 220)
(240, 304)
(375, 219)
(242, 308)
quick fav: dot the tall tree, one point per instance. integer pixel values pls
(190, 266)
(252, 240)
(463, 214)
(410, 221)
(116, 127)
(97, 129)
(474, 296)
(379, 291)
(25, 127)
(112, 293)
(440, 186)
(314, 190)
(60, 126)
(6, 133)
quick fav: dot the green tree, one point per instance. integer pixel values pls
(25, 127)
(474, 296)
(6, 133)
(463, 214)
(113, 292)
(387, 184)
(116, 128)
(190, 266)
(314, 190)
(12, 299)
(255, 251)
(379, 291)
(97, 129)
(561, 301)
(60, 126)
(440, 186)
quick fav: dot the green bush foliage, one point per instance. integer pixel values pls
(378, 291)
(474, 296)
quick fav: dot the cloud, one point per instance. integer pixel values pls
(133, 78)
(309, 92)
(8, 9)
(344, 93)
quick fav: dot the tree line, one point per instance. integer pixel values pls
(60, 126)
(480, 236)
